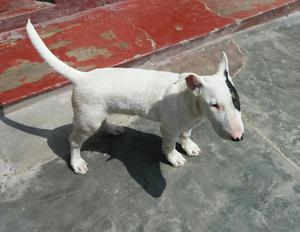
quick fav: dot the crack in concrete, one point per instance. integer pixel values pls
(243, 57)
(273, 145)
(61, 196)
(148, 36)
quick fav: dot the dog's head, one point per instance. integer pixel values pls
(218, 100)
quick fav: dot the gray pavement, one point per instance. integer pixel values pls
(253, 185)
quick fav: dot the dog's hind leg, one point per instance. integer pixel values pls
(112, 128)
(188, 145)
(84, 126)
(168, 146)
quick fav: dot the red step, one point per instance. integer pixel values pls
(16, 12)
(118, 33)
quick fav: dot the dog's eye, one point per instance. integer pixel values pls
(215, 105)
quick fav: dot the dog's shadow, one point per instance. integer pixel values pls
(140, 152)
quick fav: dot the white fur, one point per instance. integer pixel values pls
(159, 96)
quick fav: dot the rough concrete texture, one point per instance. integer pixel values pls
(228, 8)
(243, 9)
(253, 185)
(203, 60)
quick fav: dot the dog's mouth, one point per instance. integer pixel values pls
(227, 136)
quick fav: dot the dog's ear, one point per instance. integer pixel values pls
(193, 81)
(223, 68)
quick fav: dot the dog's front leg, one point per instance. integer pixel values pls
(169, 140)
(76, 141)
(188, 145)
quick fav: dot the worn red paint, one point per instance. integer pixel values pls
(47, 83)
(91, 24)
(3, 5)
(162, 25)
(15, 17)
(161, 19)
(8, 16)
(132, 32)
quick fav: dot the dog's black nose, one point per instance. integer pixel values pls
(237, 138)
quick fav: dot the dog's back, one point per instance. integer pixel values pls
(121, 90)
(116, 90)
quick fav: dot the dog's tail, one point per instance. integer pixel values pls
(72, 74)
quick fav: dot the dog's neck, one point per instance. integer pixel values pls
(190, 102)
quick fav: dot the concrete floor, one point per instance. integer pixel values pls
(253, 185)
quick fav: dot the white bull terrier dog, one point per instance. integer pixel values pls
(177, 101)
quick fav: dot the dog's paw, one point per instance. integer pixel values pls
(176, 158)
(190, 147)
(79, 166)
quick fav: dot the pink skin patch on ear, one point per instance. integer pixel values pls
(192, 82)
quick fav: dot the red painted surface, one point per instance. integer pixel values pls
(20, 3)
(16, 17)
(3, 5)
(9, 16)
(46, 84)
(92, 24)
(133, 28)
(167, 23)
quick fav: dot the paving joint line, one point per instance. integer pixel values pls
(273, 145)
